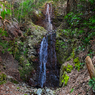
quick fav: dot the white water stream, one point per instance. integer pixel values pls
(43, 55)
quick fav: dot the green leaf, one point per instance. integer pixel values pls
(9, 49)
(71, 90)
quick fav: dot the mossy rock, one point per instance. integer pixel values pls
(63, 74)
(64, 50)
(65, 46)
(65, 79)
(26, 68)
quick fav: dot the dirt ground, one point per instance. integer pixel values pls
(78, 82)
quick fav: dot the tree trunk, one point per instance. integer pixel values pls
(90, 67)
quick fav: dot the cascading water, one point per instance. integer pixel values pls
(47, 54)
(48, 17)
(43, 60)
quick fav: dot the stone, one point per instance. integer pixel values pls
(39, 91)
(36, 34)
(32, 82)
(49, 92)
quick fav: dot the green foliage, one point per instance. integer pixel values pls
(82, 64)
(65, 79)
(92, 83)
(4, 43)
(91, 53)
(3, 33)
(69, 68)
(11, 46)
(25, 8)
(77, 25)
(92, 23)
(25, 68)
(72, 90)
(77, 63)
(91, 1)
(25, 94)
(25, 72)
(4, 10)
(2, 78)
(73, 19)
(18, 88)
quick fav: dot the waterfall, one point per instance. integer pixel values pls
(43, 60)
(48, 17)
(47, 54)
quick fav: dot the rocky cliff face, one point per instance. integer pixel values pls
(31, 44)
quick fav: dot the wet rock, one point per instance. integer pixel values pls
(39, 91)
(49, 92)
(32, 82)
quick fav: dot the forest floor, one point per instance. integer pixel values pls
(77, 85)
(78, 82)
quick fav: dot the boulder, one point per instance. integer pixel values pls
(33, 39)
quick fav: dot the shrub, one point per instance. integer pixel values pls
(92, 83)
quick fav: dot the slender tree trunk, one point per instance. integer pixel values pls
(90, 66)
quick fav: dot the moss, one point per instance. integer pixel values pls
(18, 88)
(72, 55)
(69, 68)
(2, 78)
(26, 70)
(77, 63)
(63, 76)
(65, 79)
(76, 60)
(25, 94)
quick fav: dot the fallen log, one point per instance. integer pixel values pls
(90, 67)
